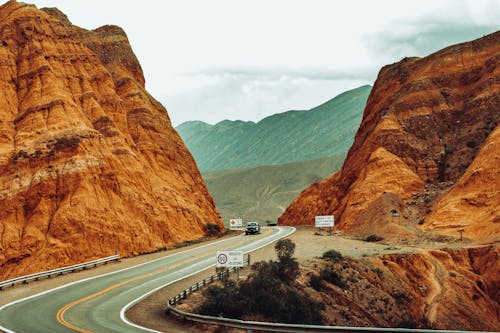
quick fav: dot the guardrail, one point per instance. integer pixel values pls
(252, 326)
(219, 276)
(57, 271)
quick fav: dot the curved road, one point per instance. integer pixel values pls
(97, 304)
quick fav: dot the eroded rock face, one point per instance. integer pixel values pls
(437, 289)
(427, 121)
(90, 164)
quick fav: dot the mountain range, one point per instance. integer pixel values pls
(326, 130)
(263, 193)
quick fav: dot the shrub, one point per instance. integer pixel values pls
(333, 277)
(222, 301)
(267, 291)
(471, 144)
(316, 282)
(288, 269)
(333, 255)
(285, 248)
(287, 266)
(373, 238)
(212, 229)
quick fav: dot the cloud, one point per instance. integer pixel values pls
(308, 73)
(251, 95)
(421, 38)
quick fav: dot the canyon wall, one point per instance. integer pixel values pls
(89, 162)
(428, 136)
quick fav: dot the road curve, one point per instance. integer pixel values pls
(98, 304)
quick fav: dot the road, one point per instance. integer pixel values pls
(98, 304)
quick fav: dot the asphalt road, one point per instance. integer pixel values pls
(97, 304)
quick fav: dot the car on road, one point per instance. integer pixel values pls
(252, 228)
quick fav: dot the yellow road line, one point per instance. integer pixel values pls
(62, 311)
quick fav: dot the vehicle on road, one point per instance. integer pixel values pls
(252, 228)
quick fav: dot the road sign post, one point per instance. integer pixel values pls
(229, 259)
(235, 223)
(324, 221)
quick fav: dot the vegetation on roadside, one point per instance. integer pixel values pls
(373, 238)
(270, 291)
(333, 255)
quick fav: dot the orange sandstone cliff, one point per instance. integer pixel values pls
(426, 155)
(89, 162)
(440, 289)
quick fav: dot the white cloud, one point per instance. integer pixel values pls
(253, 97)
(240, 59)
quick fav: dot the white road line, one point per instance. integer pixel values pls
(102, 275)
(123, 317)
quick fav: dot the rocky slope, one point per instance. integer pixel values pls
(89, 163)
(440, 289)
(293, 136)
(428, 136)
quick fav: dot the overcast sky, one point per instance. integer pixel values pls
(232, 59)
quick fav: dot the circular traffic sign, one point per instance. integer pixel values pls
(222, 259)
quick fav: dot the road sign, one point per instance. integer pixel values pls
(324, 221)
(235, 223)
(229, 259)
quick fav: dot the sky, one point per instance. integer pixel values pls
(245, 60)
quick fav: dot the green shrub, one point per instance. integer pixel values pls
(333, 277)
(285, 248)
(268, 291)
(316, 282)
(373, 238)
(212, 229)
(222, 301)
(333, 255)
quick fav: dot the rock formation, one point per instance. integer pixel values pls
(89, 162)
(428, 136)
(439, 289)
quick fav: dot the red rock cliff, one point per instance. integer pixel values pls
(90, 164)
(429, 136)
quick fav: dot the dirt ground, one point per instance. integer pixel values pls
(309, 245)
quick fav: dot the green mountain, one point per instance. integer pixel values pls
(262, 193)
(326, 130)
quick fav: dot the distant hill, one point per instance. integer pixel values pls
(263, 193)
(326, 130)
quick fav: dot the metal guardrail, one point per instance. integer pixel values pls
(57, 271)
(219, 276)
(252, 326)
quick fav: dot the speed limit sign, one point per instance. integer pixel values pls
(221, 259)
(229, 259)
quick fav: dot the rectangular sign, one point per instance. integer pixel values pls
(324, 221)
(229, 259)
(235, 223)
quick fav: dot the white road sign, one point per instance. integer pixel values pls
(235, 223)
(229, 259)
(324, 221)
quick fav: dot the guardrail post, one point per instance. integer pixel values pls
(249, 259)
